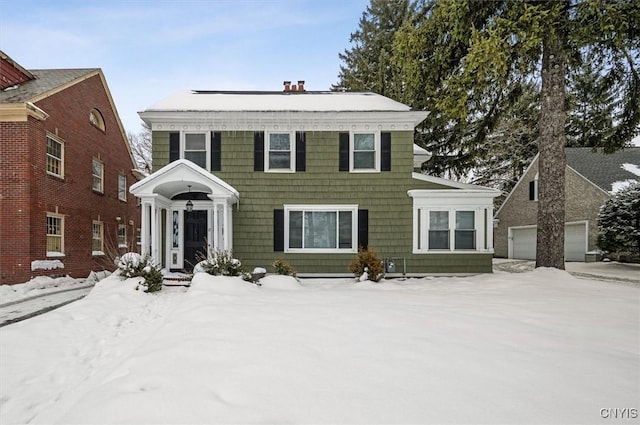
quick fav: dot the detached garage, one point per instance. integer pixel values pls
(522, 241)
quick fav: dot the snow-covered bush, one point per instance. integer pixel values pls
(133, 264)
(284, 268)
(220, 263)
(619, 222)
(367, 261)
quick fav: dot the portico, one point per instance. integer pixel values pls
(172, 233)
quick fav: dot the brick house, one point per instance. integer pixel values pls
(65, 169)
(590, 179)
(307, 176)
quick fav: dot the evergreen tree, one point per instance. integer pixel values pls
(367, 64)
(468, 61)
(619, 222)
(511, 146)
(591, 105)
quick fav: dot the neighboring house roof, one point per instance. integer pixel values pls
(11, 73)
(610, 172)
(266, 101)
(45, 81)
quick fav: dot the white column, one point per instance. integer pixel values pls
(217, 245)
(145, 231)
(227, 227)
(154, 233)
(489, 225)
(479, 223)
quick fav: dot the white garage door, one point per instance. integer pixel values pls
(524, 243)
(575, 242)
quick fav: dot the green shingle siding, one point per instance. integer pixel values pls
(384, 194)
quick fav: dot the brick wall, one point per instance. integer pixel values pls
(34, 192)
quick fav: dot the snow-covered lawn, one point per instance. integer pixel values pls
(535, 347)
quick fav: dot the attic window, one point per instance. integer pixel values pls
(95, 118)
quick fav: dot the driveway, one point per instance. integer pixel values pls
(609, 271)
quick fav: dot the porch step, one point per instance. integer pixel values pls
(177, 281)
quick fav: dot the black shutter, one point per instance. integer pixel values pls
(385, 152)
(363, 229)
(301, 151)
(344, 152)
(258, 151)
(174, 147)
(278, 230)
(216, 151)
(532, 190)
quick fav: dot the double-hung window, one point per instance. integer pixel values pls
(55, 157)
(97, 171)
(55, 235)
(122, 236)
(122, 187)
(365, 154)
(195, 148)
(281, 152)
(97, 239)
(438, 229)
(449, 230)
(465, 233)
(321, 228)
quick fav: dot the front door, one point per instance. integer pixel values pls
(195, 237)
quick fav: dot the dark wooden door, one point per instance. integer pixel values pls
(195, 237)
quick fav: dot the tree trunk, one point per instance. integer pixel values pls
(552, 161)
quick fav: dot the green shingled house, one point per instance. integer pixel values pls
(308, 177)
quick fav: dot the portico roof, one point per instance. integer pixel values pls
(182, 176)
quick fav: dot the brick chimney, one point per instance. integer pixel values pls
(287, 86)
(300, 85)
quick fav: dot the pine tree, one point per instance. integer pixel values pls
(619, 222)
(367, 64)
(470, 58)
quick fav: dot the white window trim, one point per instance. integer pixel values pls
(101, 251)
(322, 208)
(122, 195)
(207, 146)
(101, 190)
(61, 252)
(378, 153)
(478, 200)
(292, 150)
(55, 139)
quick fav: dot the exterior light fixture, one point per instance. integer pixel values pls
(189, 203)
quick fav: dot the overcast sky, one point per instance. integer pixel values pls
(150, 49)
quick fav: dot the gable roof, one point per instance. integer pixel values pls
(604, 170)
(182, 175)
(45, 81)
(11, 73)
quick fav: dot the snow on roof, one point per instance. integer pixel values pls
(312, 101)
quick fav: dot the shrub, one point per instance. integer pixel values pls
(133, 264)
(367, 261)
(283, 268)
(221, 263)
(619, 222)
